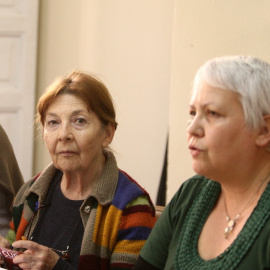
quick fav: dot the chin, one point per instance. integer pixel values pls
(201, 170)
(66, 167)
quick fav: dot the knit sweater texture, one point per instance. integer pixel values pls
(173, 243)
(118, 217)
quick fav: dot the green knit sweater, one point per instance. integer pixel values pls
(173, 242)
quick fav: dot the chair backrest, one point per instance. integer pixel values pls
(159, 210)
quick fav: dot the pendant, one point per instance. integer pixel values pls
(229, 228)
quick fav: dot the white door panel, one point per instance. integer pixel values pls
(18, 42)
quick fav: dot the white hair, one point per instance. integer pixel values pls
(246, 75)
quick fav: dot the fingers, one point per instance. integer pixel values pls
(26, 244)
(4, 242)
(35, 256)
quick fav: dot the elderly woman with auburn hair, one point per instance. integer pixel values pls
(82, 211)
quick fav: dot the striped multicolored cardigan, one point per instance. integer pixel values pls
(117, 217)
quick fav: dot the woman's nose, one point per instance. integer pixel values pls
(195, 127)
(65, 133)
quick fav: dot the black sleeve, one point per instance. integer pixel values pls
(63, 265)
(141, 264)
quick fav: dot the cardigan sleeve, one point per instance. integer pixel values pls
(136, 223)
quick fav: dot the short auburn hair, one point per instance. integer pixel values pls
(84, 86)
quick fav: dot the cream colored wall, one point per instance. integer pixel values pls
(127, 44)
(203, 30)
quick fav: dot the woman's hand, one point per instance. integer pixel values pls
(35, 256)
(4, 242)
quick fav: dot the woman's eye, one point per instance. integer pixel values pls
(51, 122)
(192, 113)
(80, 121)
(212, 113)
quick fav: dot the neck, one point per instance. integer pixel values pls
(79, 185)
(238, 200)
(247, 205)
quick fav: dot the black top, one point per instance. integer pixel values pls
(60, 226)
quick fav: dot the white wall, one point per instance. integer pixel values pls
(203, 30)
(127, 44)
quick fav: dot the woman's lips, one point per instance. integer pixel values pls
(66, 153)
(194, 151)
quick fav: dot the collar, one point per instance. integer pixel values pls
(103, 189)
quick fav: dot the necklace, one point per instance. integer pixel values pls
(231, 222)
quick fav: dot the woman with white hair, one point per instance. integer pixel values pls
(220, 218)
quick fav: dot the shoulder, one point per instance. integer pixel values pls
(186, 194)
(22, 193)
(126, 182)
(40, 183)
(128, 191)
(193, 186)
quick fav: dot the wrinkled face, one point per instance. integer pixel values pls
(74, 135)
(218, 137)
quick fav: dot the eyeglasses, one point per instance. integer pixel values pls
(64, 253)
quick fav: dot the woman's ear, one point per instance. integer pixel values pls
(263, 138)
(110, 130)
